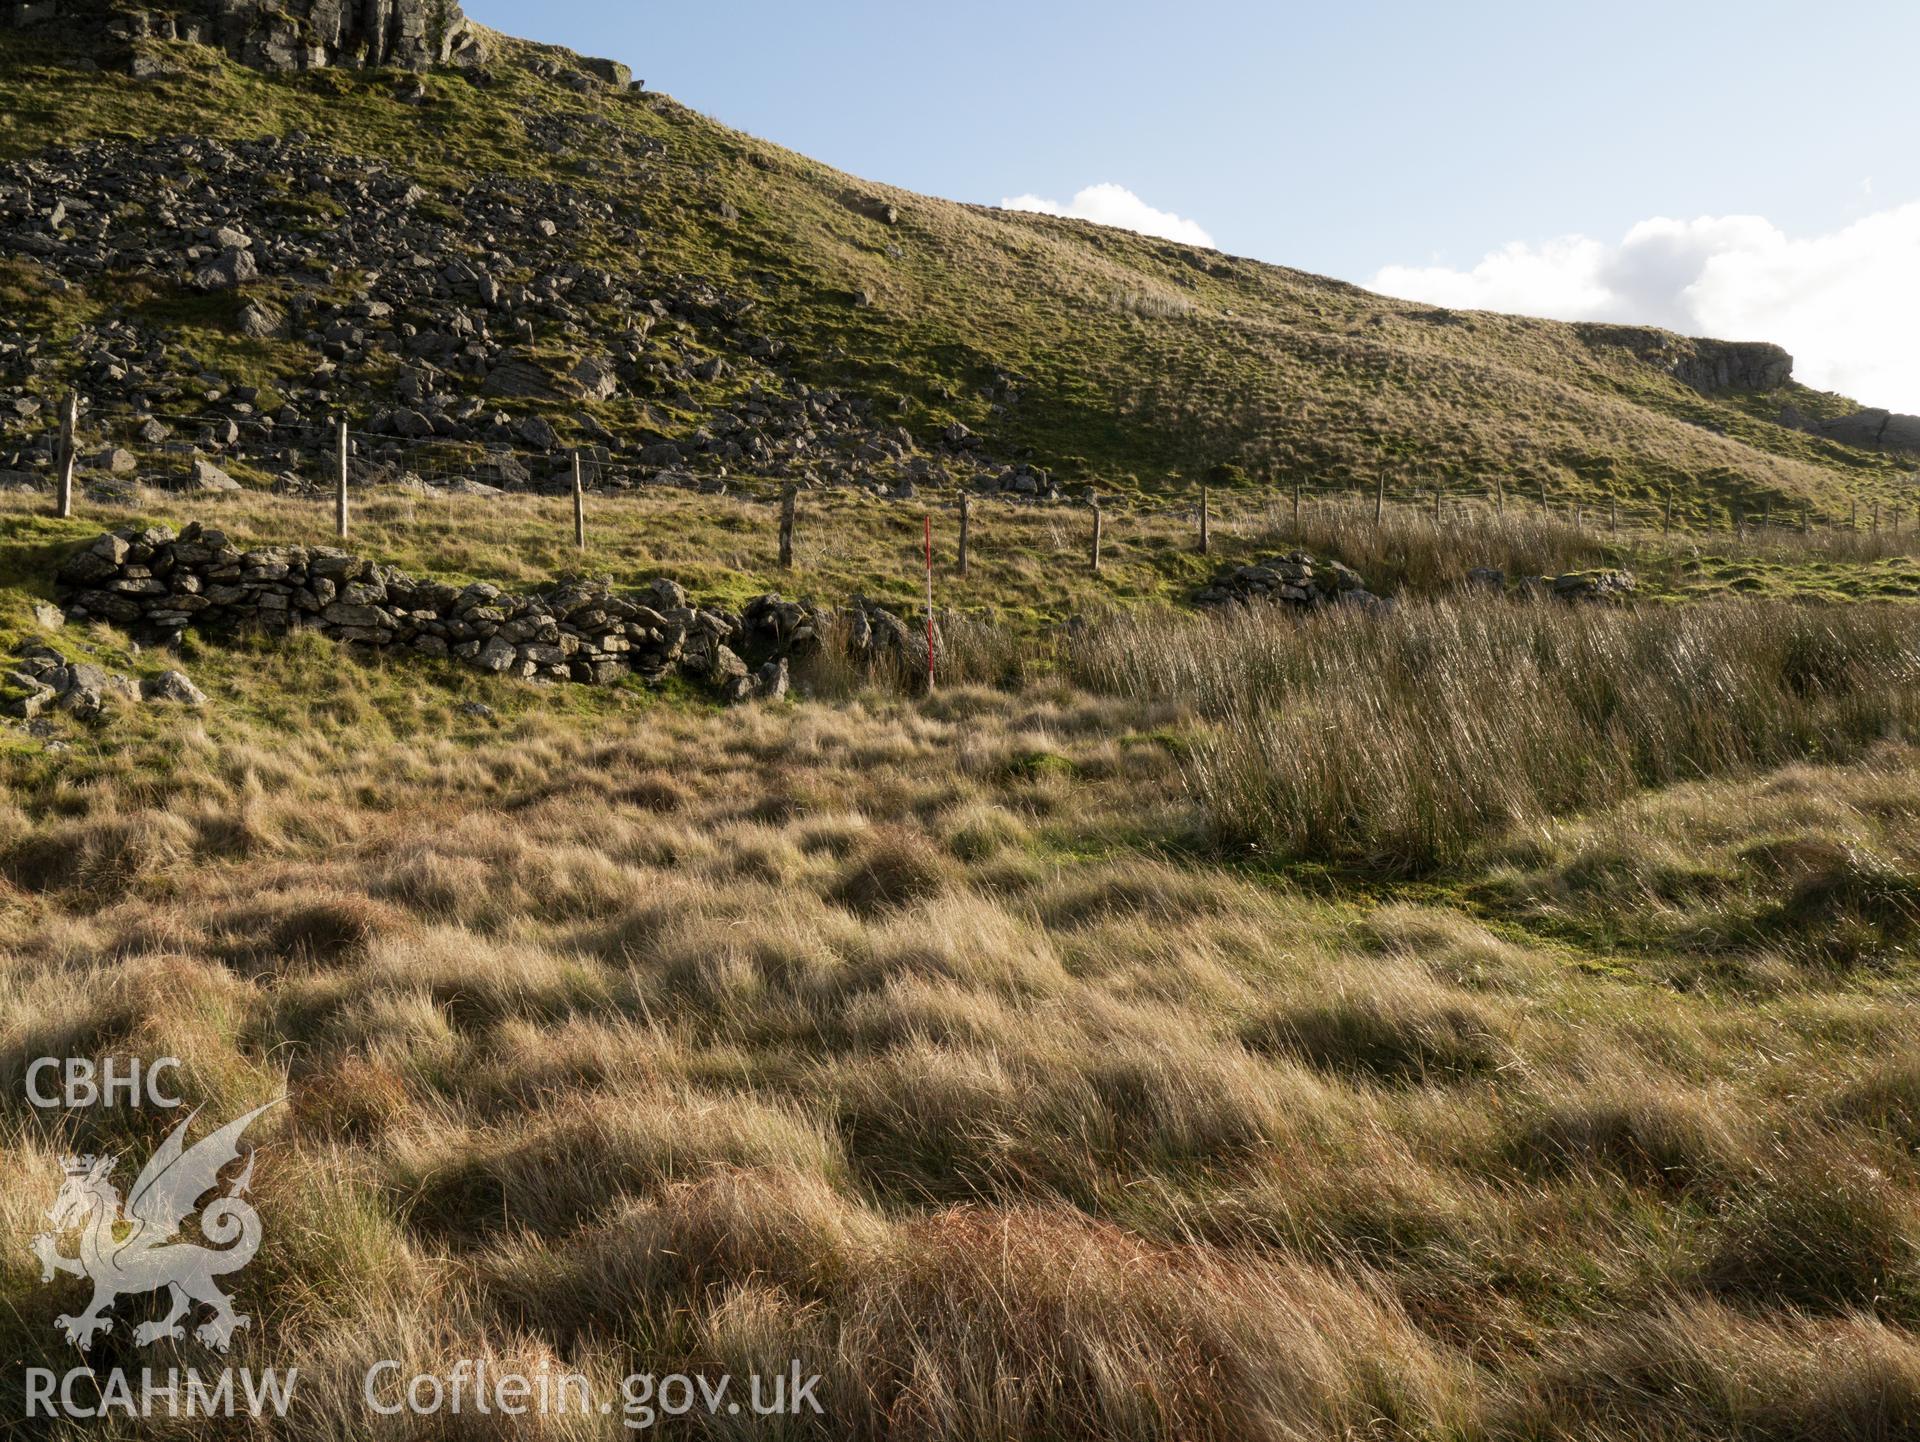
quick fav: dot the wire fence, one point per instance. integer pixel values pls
(376, 459)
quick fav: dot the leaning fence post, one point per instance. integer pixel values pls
(579, 507)
(69, 447)
(1436, 503)
(1206, 521)
(1500, 497)
(788, 500)
(340, 486)
(966, 525)
(1099, 524)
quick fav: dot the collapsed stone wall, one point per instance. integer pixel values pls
(1295, 579)
(156, 584)
(1304, 583)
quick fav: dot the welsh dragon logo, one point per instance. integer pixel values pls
(130, 1251)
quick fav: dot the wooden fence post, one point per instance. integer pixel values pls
(579, 506)
(1806, 519)
(1876, 518)
(1613, 513)
(1296, 505)
(340, 486)
(1206, 521)
(789, 500)
(1099, 523)
(1666, 526)
(1500, 497)
(1379, 498)
(1545, 505)
(966, 524)
(69, 449)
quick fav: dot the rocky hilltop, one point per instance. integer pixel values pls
(279, 34)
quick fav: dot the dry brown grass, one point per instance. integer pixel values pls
(1407, 740)
(913, 1039)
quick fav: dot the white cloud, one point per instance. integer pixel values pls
(1847, 303)
(1117, 206)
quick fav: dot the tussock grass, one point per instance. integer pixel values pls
(1408, 740)
(1388, 1037)
(937, 1042)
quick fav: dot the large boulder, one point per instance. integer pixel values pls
(234, 267)
(175, 687)
(203, 475)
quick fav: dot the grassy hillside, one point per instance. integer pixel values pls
(1100, 355)
(1471, 1017)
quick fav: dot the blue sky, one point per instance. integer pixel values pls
(1698, 163)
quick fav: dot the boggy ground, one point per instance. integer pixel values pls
(976, 1052)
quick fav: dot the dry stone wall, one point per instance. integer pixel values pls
(156, 584)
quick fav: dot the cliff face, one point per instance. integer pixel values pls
(1871, 429)
(1717, 366)
(280, 34)
(1712, 367)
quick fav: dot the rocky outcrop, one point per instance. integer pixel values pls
(282, 34)
(1715, 367)
(1872, 430)
(1712, 367)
